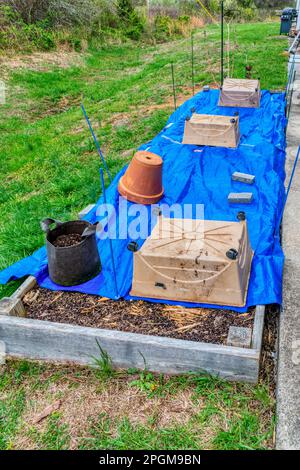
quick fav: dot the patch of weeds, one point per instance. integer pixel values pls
(99, 434)
(208, 386)
(161, 385)
(245, 433)
(11, 410)
(17, 371)
(207, 413)
(123, 435)
(103, 363)
(174, 384)
(148, 383)
(262, 394)
(55, 436)
(132, 371)
(145, 437)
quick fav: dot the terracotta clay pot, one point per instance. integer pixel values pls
(142, 182)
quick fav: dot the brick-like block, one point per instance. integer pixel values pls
(243, 177)
(240, 198)
(239, 337)
(12, 307)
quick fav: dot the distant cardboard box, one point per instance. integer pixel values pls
(212, 130)
(240, 93)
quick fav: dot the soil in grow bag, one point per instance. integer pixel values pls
(192, 324)
(67, 240)
(72, 251)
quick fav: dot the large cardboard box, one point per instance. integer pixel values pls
(240, 93)
(215, 131)
(194, 261)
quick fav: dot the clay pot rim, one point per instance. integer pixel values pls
(138, 198)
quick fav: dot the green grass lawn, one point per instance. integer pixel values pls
(49, 167)
(129, 410)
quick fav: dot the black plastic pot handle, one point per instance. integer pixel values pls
(45, 224)
(90, 231)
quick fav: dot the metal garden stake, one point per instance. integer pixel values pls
(222, 42)
(110, 242)
(192, 63)
(96, 143)
(174, 88)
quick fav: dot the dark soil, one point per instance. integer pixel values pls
(67, 240)
(195, 324)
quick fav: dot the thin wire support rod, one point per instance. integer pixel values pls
(110, 242)
(222, 43)
(192, 63)
(96, 143)
(174, 87)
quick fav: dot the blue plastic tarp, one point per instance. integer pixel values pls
(202, 175)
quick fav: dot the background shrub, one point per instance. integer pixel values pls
(18, 35)
(57, 12)
(132, 23)
(47, 24)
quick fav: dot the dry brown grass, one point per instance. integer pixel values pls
(42, 61)
(84, 399)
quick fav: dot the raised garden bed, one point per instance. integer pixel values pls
(65, 327)
(64, 342)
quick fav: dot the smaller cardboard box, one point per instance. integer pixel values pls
(240, 93)
(215, 131)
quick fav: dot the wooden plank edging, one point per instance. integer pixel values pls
(25, 287)
(56, 342)
(258, 327)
